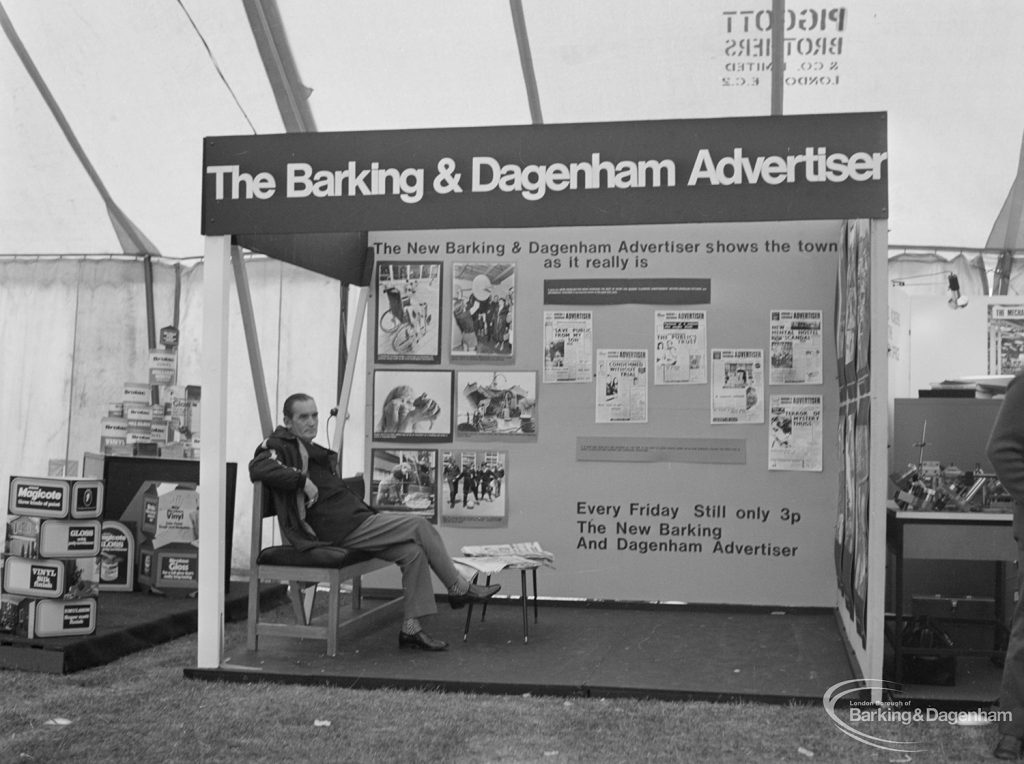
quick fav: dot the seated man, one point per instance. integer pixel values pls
(316, 509)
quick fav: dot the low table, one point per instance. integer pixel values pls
(522, 567)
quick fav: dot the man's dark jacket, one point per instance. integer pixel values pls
(278, 464)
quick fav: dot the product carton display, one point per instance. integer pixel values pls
(114, 427)
(9, 612)
(39, 497)
(155, 416)
(169, 541)
(160, 431)
(138, 393)
(50, 572)
(117, 557)
(52, 579)
(35, 577)
(35, 537)
(56, 498)
(60, 618)
(177, 520)
(175, 566)
(163, 367)
(150, 509)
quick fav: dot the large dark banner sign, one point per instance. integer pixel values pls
(811, 167)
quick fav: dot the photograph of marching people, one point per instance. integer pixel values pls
(408, 312)
(483, 310)
(412, 405)
(496, 403)
(475, 492)
(405, 481)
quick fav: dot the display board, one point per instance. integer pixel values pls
(665, 396)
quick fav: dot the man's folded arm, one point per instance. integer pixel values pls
(267, 467)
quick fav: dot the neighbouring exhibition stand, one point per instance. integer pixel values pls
(659, 347)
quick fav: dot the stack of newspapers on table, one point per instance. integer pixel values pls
(494, 557)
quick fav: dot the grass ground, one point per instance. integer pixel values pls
(142, 709)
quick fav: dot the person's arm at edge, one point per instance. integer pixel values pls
(1005, 448)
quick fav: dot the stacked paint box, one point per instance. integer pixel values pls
(51, 565)
(169, 550)
(153, 419)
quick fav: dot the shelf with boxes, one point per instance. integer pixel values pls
(157, 417)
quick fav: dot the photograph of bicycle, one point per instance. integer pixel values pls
(408, 312)
(483, 310)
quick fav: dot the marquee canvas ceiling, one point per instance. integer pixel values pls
(141, 82)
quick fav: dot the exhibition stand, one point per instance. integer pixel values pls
(661, 334)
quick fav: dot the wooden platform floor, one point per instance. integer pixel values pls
(574, 649)
(578, 649)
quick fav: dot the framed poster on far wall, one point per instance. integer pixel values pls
(405, 480)
(483, 311)
(408, 312)
(412, 405)
(496, 404)
(475, 489)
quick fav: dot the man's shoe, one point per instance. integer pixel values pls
(475, 594)
(421, 641)
(1008, 747)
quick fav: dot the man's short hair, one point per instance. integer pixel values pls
(291, 400)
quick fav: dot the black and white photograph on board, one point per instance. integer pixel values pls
(405, 481)
(408, 312)
(412, 405)
(496, 404)
(475, 489)
(483, 311)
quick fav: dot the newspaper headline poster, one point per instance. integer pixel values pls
(1005, 339)
(795, 433)
(568, 346)
(737, 386)
(621, 386)
(795, 347)
(680, 347)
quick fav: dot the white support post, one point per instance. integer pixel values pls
(879, 454)
(213, 452)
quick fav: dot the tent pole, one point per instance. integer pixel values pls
(252, 342)
(132, 240)
(350, 367)
(177, 296)
(1014, 209)
(147, 266)
(343, 332)
(778, 55)
(213, 454)
(526, 61)
(282, 73)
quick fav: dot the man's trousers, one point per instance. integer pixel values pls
(416, 547)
